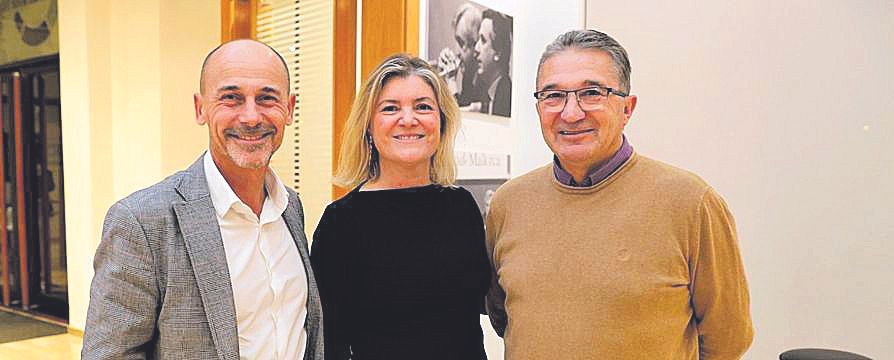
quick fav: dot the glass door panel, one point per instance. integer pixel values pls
(47, 270)
(33, 274)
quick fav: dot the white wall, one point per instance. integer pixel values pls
(786, 108)
(537, 23)
(127, 115)
(534, 25)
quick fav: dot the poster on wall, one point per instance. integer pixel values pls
(28, 29)
(471, 45)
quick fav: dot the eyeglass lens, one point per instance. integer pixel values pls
(588, 99)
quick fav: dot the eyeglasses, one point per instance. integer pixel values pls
(589, 98)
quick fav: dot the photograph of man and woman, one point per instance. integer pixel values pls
(471, 46)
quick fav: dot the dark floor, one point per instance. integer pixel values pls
(16, 327)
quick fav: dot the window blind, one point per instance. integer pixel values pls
(301, 31)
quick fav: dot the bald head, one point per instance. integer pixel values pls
(245, 103)
(242, 50)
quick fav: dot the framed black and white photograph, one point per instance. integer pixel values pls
(471, 45)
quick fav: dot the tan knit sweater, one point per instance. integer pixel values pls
(644, 265)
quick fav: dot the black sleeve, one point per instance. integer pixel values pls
(330, 275)
(476, 231)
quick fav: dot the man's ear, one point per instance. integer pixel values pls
(629, 106)
(292, 100)
(197, 103)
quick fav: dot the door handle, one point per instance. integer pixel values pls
(10, 219)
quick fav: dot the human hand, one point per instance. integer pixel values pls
(472, 107)
(448, 62)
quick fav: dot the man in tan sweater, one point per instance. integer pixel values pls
(604, 253)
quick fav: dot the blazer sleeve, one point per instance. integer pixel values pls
(325, 257)
(124, 293)
(718, 287)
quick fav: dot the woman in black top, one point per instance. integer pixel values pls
(493, 51)
(400, 260)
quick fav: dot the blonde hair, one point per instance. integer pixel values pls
(358, 159)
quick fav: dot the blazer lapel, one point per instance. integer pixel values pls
(204, 245)
(293, 217)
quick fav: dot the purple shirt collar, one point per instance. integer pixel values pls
(598, 174)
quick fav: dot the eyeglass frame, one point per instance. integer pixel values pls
(608, 91)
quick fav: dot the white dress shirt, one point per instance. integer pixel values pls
(268, 277)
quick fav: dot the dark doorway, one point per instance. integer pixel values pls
(32, 226)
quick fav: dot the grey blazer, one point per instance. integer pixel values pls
(161, 288)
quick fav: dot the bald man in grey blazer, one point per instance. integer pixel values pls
(212, 262)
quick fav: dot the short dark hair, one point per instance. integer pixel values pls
(502, 42)
(281, 59)
(591, 39)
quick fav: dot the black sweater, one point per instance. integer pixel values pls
(402, 274)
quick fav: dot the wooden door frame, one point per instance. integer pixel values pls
(344, 83)
(22, 228)
(238, 19)
(384, 32)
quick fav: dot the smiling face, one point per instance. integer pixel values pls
(582, 140)
(245, 103)
(406, 124)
